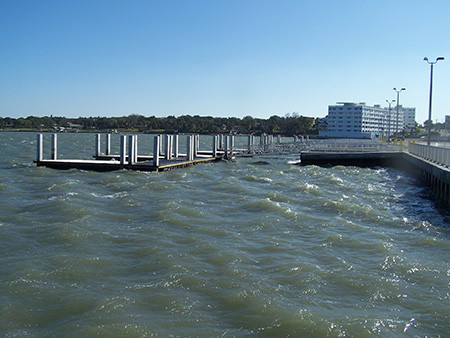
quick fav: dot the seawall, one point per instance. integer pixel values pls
(433, 175)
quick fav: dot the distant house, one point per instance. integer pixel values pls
(72, 126)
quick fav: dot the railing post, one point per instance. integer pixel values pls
(40, 147)
(54, 146)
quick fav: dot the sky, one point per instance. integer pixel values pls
(222, 58)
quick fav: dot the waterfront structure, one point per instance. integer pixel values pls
(358, 120)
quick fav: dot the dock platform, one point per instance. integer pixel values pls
(168, 157)
(111, 165)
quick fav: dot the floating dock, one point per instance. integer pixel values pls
(166, 158)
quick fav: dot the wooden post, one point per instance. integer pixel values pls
(108, 144)
(156, 145)
(123, 149)
(54, 146)
(221, 141)
(279, 139)
(40, 147)
(176, 147)
(97, 145)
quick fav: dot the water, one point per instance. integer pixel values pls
(254, 247)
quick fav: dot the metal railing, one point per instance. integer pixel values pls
(438, 155)
(324, 145)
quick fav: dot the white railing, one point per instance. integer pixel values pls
(437, 155)
(321, 145)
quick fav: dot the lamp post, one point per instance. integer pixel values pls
(389, 119)
(431, 95)
(398, 102)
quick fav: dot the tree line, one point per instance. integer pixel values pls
(289, 125)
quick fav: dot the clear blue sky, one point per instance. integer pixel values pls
(219, 58)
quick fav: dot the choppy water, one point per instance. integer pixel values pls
(254, 247)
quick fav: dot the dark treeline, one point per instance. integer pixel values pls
(290, 124)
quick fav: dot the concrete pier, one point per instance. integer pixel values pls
(433, 174)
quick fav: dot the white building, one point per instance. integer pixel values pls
(409, 118)
(357, 120)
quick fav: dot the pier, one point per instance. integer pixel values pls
(165, 154)
(429, 164)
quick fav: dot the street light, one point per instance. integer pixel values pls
(431, 95)
(389, 119)
(398, 102)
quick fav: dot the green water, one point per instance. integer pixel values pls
(254, 247)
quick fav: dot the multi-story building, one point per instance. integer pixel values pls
(409, 118)
(357, 120)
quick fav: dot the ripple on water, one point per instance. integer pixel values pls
(227, 249)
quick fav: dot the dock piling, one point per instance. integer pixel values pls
(156, 145)
(190, 148)
(54, 146)
(108, 144)
(123, 149)
(131, 149)
(168, 147)
(40, 146)
(176, 150)
(214, 149)
(97, 145)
